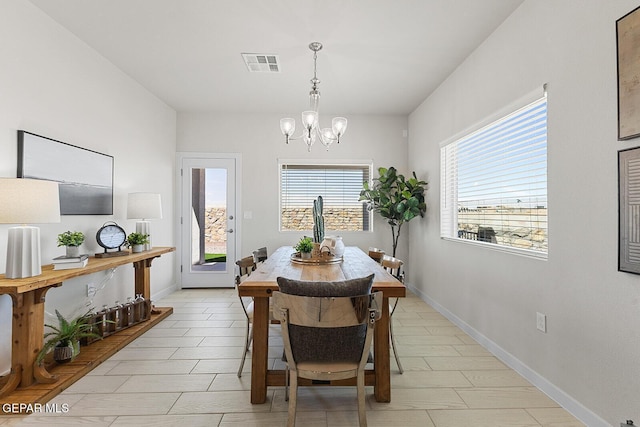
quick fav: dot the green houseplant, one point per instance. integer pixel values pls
(304, 246)
(64, 338)
(137, 241)
(71, 240)
(395, 198)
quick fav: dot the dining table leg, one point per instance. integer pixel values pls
(382, 356)
(260, 350)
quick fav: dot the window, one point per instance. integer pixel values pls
(339, 186)
(494, 183)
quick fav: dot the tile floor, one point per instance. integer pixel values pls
(183, 372)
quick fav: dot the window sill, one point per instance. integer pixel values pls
(494, 247)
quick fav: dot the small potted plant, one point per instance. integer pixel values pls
(72, 241)
(137, 241)
(304, 246)
(65, 338)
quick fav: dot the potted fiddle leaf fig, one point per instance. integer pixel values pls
(137, 241)
(72, 241)
(395, 198)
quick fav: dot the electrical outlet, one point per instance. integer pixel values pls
(91, 291)
(541, 322)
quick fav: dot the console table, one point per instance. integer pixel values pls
(28, 297)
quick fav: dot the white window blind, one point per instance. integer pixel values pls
(339, 186)
(494, 182)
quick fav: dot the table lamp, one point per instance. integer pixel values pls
(26, 201)
(144, 206)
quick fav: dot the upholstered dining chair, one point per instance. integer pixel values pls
(395, 267)
(376, 254)
(246, 266)
(305, 318)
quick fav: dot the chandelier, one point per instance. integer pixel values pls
(311, 119)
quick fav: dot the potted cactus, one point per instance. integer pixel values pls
(318, 220)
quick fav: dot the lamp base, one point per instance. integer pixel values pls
(23, 252)
(143, 227)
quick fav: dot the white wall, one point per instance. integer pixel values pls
(589, 358)
(257, 137)
(54, 85)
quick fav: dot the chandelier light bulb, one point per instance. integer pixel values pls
(339, 126)
(327, 137)
(288, 127)
(309, 119)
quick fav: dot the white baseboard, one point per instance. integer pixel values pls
(166, 291)
(563, 399)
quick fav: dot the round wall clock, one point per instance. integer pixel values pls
(111, 236)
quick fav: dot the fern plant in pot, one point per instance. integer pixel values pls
(64, 338)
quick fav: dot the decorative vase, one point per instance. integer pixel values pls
(305, 255)
(333, 245)
(72, 251)
(137, 248)
(338, 250)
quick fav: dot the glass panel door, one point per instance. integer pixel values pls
(208, 223)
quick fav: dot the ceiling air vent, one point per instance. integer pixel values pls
(261, 63)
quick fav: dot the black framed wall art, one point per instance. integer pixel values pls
(85, 176)
(628, 49)
(629, 210)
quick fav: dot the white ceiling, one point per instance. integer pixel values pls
(379, 56)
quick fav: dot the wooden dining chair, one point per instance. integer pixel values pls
(395, 267)
(332, 314)
(260, 255)
(376, 254)
(246, 266)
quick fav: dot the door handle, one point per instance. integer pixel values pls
(229, 230)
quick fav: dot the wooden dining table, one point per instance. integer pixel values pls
(262, 283)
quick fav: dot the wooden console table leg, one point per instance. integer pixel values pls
(142, 277)
(13, 379)
(28, 335)
(381, 357)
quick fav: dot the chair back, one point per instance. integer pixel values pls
(393, 266)
(327, 312)
(245, 266)
(376, 254)
(260, 255)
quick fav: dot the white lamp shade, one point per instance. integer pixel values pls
(144, 206)
(28, 201)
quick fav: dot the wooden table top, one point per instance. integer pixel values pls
(356, 263)
(50, 277)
